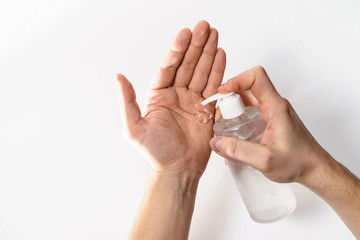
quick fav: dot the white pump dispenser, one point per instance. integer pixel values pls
(265, 200)
(231, 104)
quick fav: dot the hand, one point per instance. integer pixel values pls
(287, 151)
(167, 134)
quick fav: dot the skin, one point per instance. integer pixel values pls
(287, 151)
(175, 146)
(177, 150)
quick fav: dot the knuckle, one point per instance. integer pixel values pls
(286, 101)
(259, 69)
(170, 66)
(267, 162)
(233, 148)
(169, 62)
(284, 105)
(201, 73)
(213, 84)
(188, 65)
(209, 51)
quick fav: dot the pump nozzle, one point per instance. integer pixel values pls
(215, 97)
(231, 104)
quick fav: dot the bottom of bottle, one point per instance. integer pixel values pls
(274, 214)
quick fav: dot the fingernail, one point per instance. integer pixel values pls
(216, 143)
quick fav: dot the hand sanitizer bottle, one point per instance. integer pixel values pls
(266, 201)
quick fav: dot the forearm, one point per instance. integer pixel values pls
(340, 189)
(167, 207)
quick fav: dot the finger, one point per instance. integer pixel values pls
(216, 75)
(165, 74)
(256, 80)
(254, 154)
(248, 98)
(203, 67)
(130, 111)
(199, 38)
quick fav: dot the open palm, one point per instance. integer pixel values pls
(168, 134)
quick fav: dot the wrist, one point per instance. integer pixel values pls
(183, 182)
(318, 171)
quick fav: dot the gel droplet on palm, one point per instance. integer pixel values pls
(208, 113)
(202, 115)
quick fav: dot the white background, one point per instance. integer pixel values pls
(65, 170)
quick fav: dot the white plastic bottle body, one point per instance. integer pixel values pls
(266, 201)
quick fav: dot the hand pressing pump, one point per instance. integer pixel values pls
(266, 201)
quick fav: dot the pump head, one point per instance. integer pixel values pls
(231, 104)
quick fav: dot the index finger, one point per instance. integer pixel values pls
(165, 74)
(257, 81)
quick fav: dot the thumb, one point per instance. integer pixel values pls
(254, 154)
(130, 111)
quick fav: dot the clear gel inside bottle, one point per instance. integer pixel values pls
(265, 200)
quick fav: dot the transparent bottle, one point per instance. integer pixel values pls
(265, 200)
